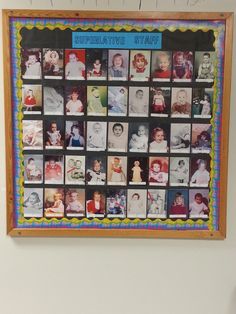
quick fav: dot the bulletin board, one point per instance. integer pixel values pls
(117, 123)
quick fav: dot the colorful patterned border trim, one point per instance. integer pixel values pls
(16, 24)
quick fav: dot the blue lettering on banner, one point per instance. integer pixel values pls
(117, 40)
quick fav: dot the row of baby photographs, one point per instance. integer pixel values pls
(117, 170)
(155, 137)
(116, 203)
(118, 101)
(115, 65)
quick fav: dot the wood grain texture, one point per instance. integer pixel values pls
(45, 232)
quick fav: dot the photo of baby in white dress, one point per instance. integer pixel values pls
(156, 204)
(33, 202)
(138, 101)
(96, 136)
(31, 63)
(138, 137)
(179, 171)
(117, 136)
(137, 203)
(117, 100)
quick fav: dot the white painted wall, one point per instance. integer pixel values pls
(119, 276)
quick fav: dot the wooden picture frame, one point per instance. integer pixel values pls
(18, 24)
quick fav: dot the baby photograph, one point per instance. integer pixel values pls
(202, 103)
(33, 169)
(200, 171)
(96, 170)
(118, 61)
(53, 169)
(116, 170)
(182, 66)
(137, 203)
(140, 65)
(137, 170)
(32, 134)
(201, 138)
(116, 203)
(178, 203)
(75, 169)
(31, 67)
(160, 101)
(96, 136)
(179, 171)
(32, 99)
(74, 64)
(54, 133)
(180, 136)
(181, 99)
(159, 135)
(53, 63)
(96, 64)
(95, 203)
(117, 136)
(96, 100)
(53, 100)
(161, 66)
(75, 202)
(33, 202)
(199, 203)
(75, 100)
(205, 66)
(138, 137)
(74, 135)
(156, 204)
(117, 100)
(138, 101)
(158, 171)
(54, 203)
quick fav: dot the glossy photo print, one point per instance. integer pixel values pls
(32, 99)
(180, 135)
(96, 64)
(54, 204)
(138, 137)
(53, 169)
(95, 203)
(75, 100)
(199, 203)
(96, 170)
(158, 171)
(75, 64)
(75, 202)
(159, 134)
(138, 101)
(137, 203)
(118, 63)
(96, 136)
(156, 204)
(96, 100)
(205, 66)
(32, 134)
(181, 99)
(137, 170)
(159, 101)
(140, 65)
(179, 171)
(201, 138)
(116, 203)
(53, 63)
(54, 133)
(53, 100)
(33, 169)
(74, 135)
(200, 171)
(202, 103)
(117, 100)
(33, 202)
(182, 66)
(117, 136)
(74, 170)
(178, 203)
(31, 67)
(161, 66)
(116, 170)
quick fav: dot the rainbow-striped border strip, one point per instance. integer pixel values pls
(16, 24)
